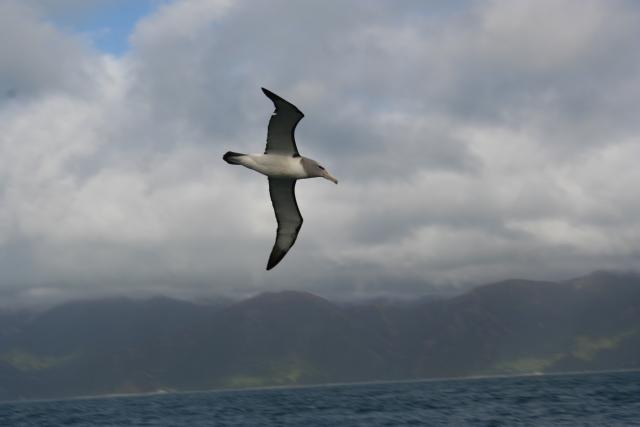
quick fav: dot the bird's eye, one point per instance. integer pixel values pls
(320, 167)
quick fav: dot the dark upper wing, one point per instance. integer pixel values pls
(283, 198)
(283, 123)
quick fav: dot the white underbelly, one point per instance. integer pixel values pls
(274, 165)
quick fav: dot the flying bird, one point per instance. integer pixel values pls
(283, 165)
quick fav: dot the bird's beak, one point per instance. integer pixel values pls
(330, 177)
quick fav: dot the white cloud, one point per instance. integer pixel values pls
(35, 57)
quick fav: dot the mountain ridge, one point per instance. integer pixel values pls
(122, 345)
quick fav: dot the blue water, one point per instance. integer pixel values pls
(611, 399)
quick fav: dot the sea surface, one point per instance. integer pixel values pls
(603, 399)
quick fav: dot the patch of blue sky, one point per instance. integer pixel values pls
(107, 24)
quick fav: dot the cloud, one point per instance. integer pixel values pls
(473, 142)
(35, 57)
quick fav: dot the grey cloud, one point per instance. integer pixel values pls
(35, 57)
(474, 141)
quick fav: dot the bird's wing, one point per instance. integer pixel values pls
(283, 198)
(285, 118)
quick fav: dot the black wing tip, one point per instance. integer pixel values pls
(276, 98)
(276, 256)
(272, 96)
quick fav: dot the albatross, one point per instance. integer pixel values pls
(283, 165)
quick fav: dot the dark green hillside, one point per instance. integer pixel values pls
(512, 327)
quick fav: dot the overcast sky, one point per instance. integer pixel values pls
(474, 141)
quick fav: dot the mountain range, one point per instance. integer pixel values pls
(122, 345)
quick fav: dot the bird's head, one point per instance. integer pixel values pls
(315, 169)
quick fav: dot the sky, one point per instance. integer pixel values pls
(474, 141)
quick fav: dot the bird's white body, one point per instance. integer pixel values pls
(274, 165)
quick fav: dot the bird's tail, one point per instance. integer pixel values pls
(232, 158)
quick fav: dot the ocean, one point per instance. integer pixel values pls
(602, 399)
